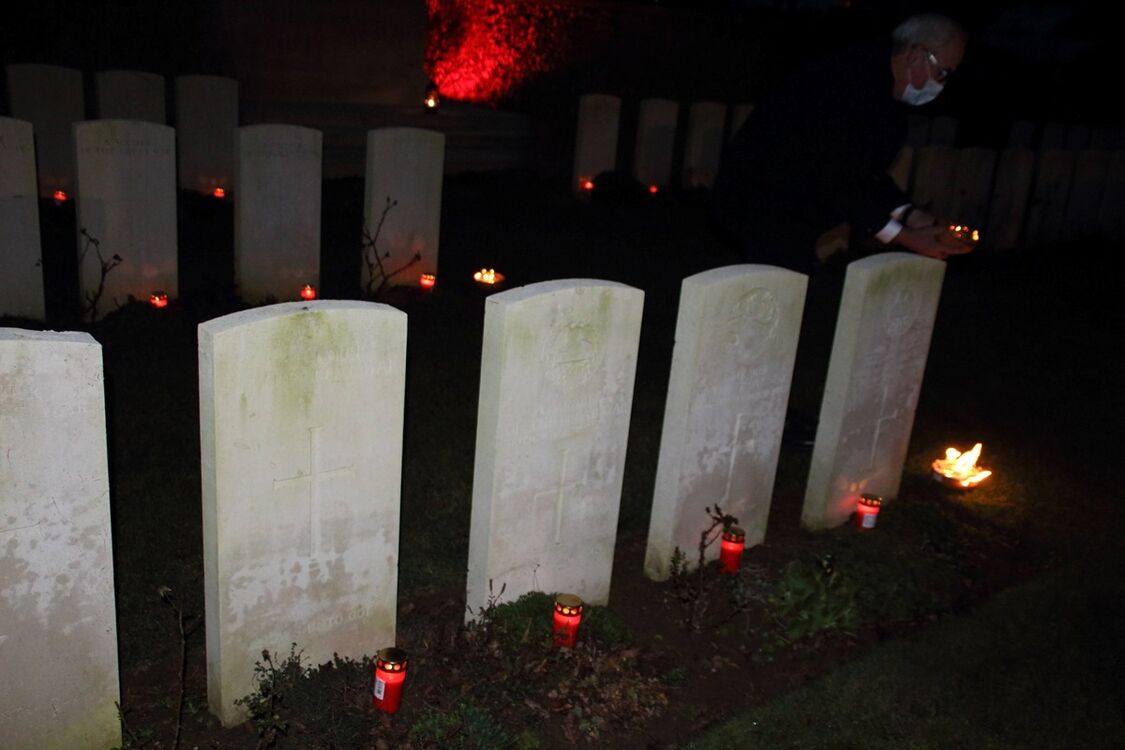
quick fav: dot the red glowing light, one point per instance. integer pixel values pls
(483, 50)
(158, 299)
(427, 280)
(653, 189)
(219, 193)
(586, 183)
(568, 616)
(60, 196)
(390, 673)
(867, 510)
(730, 550)
(308, 292)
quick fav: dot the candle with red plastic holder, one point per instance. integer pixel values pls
(730, 549)
(867, 510)
(308, 292)
(427, 281)
(158, 299)
(390, 674)
(568, 616)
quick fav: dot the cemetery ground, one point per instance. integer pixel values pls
(986, 618)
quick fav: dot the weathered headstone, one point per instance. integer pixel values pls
(1053, 175)
(301, 416)
(704, 145)
(1010, 194)
(277, 211)
(1078, 137)
(738, 117)
(934, 170)
(206, 119)
(595, 141)
(557, 371)
(902, 167)
(973, 185)
(943, 132)
(736, 339)
(131, 95)
(656, 139)
(1053, 137)
(127, 202)
(404, 166)
(1022, 134)
(1111, 219)
(58, 628)
(1107, 138)
(879, 353)
(51, 99)
(21, 275)
(1091, 170)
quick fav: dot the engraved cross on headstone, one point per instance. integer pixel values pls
(740, 442)
(880, 421)
(560, 492)
(313, 479)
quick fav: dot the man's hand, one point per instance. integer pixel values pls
(931, 241)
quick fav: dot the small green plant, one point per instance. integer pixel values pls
(812, 597)
(462, 728)
(692, 587)
(275, 684)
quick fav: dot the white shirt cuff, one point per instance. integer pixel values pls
(888, 232)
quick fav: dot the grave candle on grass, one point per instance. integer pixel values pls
(432, 99)
(867, 510)
(568, 616)
(959, 470)
(158, 299)
(308, 292)
(390, 673)
(730, 549)
(488, 276)
(60, 196)
(219, 193)
(427, 281)
(586, 184)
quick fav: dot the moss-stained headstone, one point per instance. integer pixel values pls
(736, 339)
(58, 630)
(556, 390)
(301, 415)
(879, 353)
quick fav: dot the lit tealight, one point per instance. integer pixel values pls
(158, 299)
(60, 196)
(488, 276)
(219, 193)
(653, 189)
(959, 470)
(427, 280)
(308, 292)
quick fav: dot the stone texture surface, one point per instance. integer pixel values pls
(52, 100)
(301, 417)
(879, 353)
(557, 370)
(58, 629)
(206, 121)
(21, 274)
(127, 201)
(656, 139)
(131, 95)
(736, 339)
(405, 165)
(595, 142)
(277, 211)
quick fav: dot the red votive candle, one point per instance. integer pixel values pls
(158, 299)
(308, 291)
(427, 280)
(730, 550)
(390, 673)
(568, 615)
(867, 510)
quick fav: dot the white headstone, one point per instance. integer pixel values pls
(736, 338)
(557, 371)
(405, 165)
(902, 167)
(277, 211)
(1111, 219)
(1107, 138)
(58, 628)
(943, 131)
(973, 186)
(206, 119)
(131, 95)
(1078, 137)
(51, 99)
(656, 139)
(934, 170)
(704, 146)
(738, 117)
(127, 201)
(595, 141)
(21, 275)
(1045, 213)
(301, 416)
(874, 377)
(1022, 134)
(1008, 204)
(1054, 136)
(1091, 170)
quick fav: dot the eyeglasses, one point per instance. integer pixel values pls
(942, 73)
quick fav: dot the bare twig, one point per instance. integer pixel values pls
(166, 596)
(105, 266)
(378, 277)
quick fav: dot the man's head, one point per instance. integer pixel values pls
(925, 50)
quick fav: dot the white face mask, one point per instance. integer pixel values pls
(916, 97)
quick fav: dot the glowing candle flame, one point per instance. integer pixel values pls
(308, 291)
(219, 192)
(586, 183)
(653, 189)
(960, 469)
(60, 196)
(965, 234)
(158, 299)
(488, 276)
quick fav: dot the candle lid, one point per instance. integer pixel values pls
(392, 658)
(568, 604)
(868, 499)
(733, 534)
